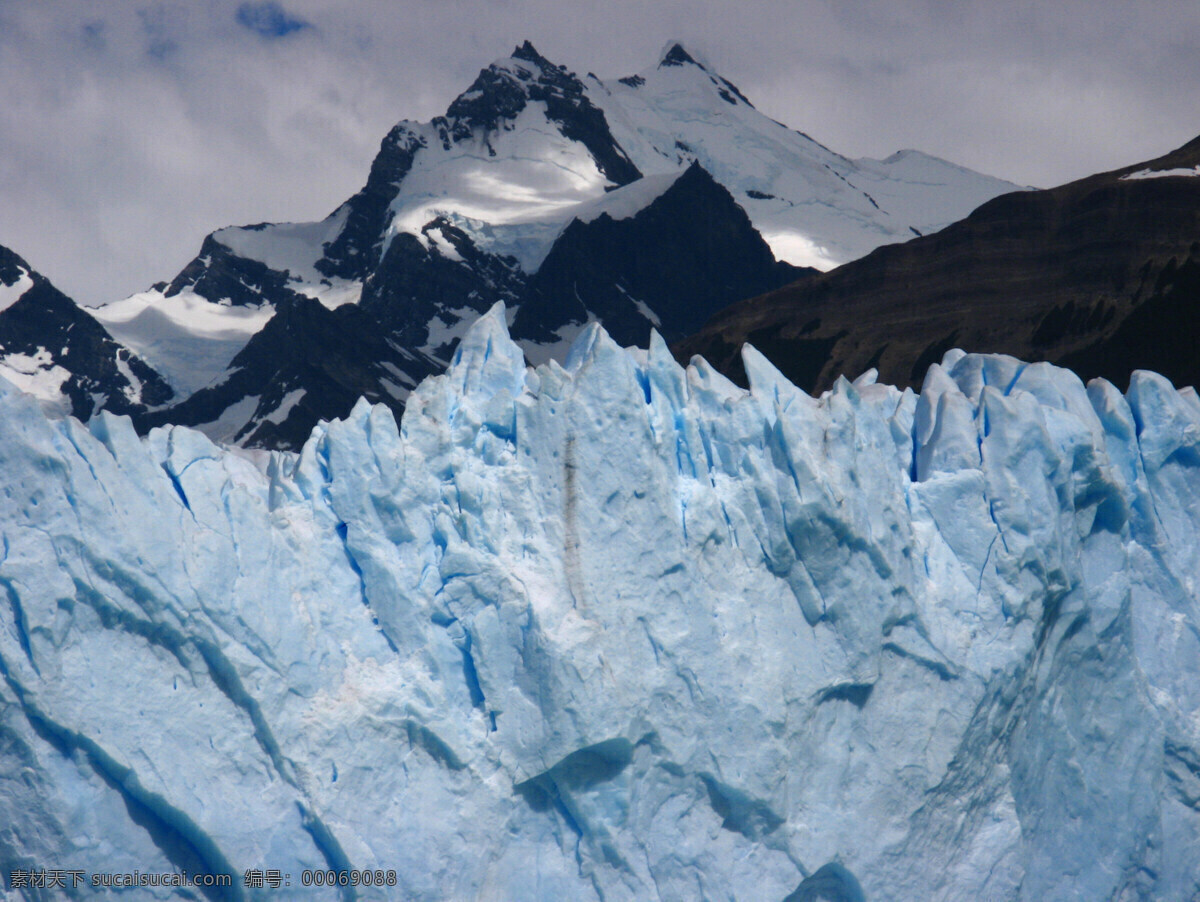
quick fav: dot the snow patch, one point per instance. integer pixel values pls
(296, 247)
(133, 390)
(799, 250)
(10, 294)
(438, 240)
(1187, 172)
(404, 377)
(37, 374)
(280, 413)
(644, 309)
(231, 421)
(398, 392)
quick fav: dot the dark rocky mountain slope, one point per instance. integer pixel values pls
(1101, 275)
(307, 364)
(688, 254)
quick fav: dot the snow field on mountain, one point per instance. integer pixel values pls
(618, 629)
(814, 207)
(500, 187)
(295, 248)
(925, 191)
(527, 150)
(186, 337)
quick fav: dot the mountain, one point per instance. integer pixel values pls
(813, 206)
(1101, 275)
(306, 361)
(54, 350)
(616, 629)
(649, 202)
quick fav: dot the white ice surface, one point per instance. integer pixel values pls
(620, 630)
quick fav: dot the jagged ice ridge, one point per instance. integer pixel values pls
(619, 630)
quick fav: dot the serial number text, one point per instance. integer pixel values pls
(348, 878)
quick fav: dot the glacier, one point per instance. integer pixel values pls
(617, 629)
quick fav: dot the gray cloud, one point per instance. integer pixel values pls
(129, 130)
(269, 20)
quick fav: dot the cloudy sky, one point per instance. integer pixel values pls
(130, 129)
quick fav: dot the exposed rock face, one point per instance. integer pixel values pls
(499, 95)
(218, 274)
(355, 252)
(1101, 275)
(421, 283)
(688, 254)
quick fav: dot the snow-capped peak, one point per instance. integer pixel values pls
(815, 207)
(509, 89)
(466, 209)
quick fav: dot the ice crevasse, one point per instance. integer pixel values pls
(618, 630)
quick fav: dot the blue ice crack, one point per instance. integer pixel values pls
(343, 533)
(181, 840)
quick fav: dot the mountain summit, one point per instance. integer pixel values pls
(676, 55)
